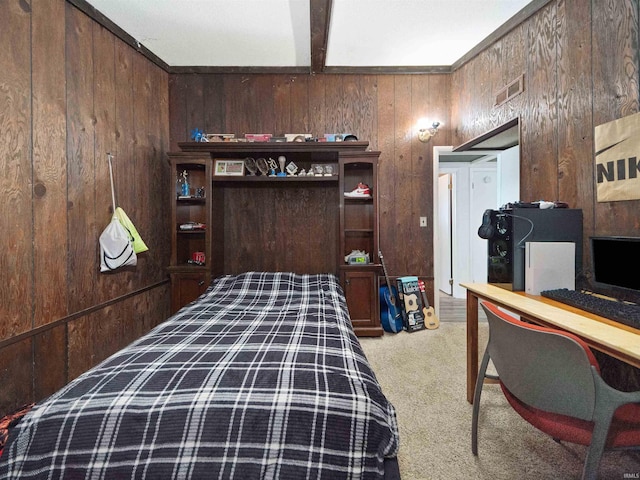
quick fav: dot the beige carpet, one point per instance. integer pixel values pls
(423, 375)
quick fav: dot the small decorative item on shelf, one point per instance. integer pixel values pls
(282, 160)
(318, 169)
(189, 226)
(257, 137)
(272, 167)
(179, 181)
(250, 165)
(339, 137)
(362, 190)
(292, 169)
(185, 191)
(198, 135)
(357, 257)
(298, 137)
(261, 163)
(200, 192)
(197, 258)
(225, 167)
(328, 170)
(220, 137)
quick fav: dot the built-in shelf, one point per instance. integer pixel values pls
(273, 223)
(267, 179)
(271, 147)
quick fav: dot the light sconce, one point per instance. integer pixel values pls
(425, 134)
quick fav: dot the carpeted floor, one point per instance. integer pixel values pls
(423, 375)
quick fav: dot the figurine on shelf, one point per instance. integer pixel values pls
(272, 167)
(198, 135)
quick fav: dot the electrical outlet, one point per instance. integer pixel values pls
(423, 221)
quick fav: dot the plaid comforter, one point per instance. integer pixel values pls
(261, 378)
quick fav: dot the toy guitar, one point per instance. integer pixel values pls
(390, 316)
(430, 320)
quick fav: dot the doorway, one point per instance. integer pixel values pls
(467, 184)
(472, 190)
(503, 142)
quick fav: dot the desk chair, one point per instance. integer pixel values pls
(551, 378)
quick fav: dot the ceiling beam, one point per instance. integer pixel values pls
(320, 13)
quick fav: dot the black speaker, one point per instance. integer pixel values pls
(512, 228)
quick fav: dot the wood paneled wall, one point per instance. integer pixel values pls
(580, 63)
(380, 109)
(70, 92)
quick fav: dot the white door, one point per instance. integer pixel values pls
(484, 195)
(444, 232)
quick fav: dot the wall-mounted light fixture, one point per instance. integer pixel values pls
(425, 133)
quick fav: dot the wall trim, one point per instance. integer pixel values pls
(81, 313)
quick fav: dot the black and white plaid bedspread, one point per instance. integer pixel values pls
(261, 378)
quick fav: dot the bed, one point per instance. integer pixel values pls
(261, 378)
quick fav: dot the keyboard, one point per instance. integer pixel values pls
(621, 312)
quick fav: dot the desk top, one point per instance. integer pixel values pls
(616, 339)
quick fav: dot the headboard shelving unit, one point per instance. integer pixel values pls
(293, 223)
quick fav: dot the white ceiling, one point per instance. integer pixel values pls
(277, 33)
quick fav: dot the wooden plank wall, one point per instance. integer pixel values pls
(70, 91)
(580, 63)
(380, 109)
(580, 60)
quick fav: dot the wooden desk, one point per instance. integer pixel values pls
(610, 337)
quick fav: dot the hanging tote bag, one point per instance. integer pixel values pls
(116, 245)
(116, 249)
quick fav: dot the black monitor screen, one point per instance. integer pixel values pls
(616, 261)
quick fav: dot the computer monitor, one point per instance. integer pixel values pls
(615, 263)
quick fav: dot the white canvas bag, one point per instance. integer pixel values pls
(116, 246)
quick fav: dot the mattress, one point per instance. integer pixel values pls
(261, 377)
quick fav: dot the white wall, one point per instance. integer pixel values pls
(509, 176)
